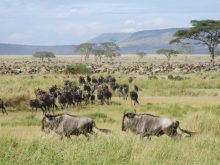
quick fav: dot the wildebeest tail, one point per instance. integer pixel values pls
(137, 101)
(187, 132)
(101, 129)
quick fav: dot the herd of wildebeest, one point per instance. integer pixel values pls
(87, 92)
(141, 68)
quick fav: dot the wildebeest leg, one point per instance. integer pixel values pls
(68, 136)
(169, 132)
(42, 108)
(55, 106)
(61, 137)
(5, 111)
(86, 135)
(145, 134)
(52, 110)
(94, 133)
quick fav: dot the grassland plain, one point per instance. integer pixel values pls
(194, 102)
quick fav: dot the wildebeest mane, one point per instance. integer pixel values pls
(60, 114)
(147, 114)
(140, 114)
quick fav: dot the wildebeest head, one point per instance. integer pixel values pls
(128, 116)
(49, 122)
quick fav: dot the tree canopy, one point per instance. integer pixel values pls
(110, 49)
(99, 52)
(168, 53)
(44, 54)
(207, 32)
(141, 54)
(185, 48)
(85, 49)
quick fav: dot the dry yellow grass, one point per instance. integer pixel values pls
(194, 102)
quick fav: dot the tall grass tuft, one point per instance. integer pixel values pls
(77, 69)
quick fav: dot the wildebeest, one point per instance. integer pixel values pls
(86, 97)
(123, 90)
(2, 106)
(134, 95)
(88, 79)
(92, 98)
(67, 125)
(82, 80)
(149, 125)
(130, 79)
(36, 103)
(48, 100)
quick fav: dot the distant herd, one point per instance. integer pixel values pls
(88, 91)
(66, 125)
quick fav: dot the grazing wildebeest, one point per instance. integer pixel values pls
(123, 90)
(36, 103)
(82, 80)
(114, 86)
(86, 97)
(130, 79)
(48, 100)
(136, 88)
(67, 125)
(88, 79)
(134, 95)
(2, 106)
(107, 95)
(94, 80)
(100, 95)
(150, 125)
(92, 98)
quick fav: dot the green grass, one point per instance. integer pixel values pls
(29, 120)
(193, 102)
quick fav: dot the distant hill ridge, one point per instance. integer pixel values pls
(16, 49)
(131, 42)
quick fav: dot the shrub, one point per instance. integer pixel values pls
(77, 69)
(44, 54)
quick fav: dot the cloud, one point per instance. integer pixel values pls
(18, 37)
(132, 25)
(81, 29)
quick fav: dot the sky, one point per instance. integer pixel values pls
(64, 22)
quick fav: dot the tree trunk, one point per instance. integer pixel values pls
(212, 54)
(81, 58)
(168, 58)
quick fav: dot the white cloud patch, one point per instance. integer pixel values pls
(132, 25)
(18, 37)
(81, 29)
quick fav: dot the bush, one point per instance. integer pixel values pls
(77, 69)
(44, 54)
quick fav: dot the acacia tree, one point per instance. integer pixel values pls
(99, 53)
(168, 53)
(185, 48)
(44, 54)
(207, 32)
(141, 55)
(85, 49)
(110, 49)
